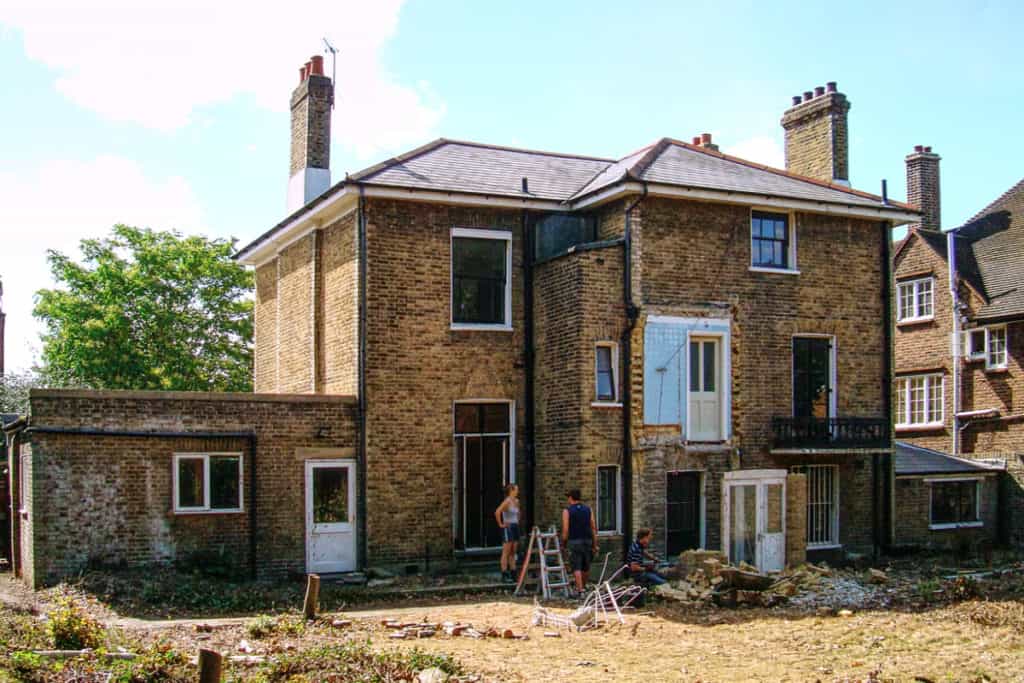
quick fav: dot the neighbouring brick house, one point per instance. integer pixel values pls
(696, 341)
(960, 349)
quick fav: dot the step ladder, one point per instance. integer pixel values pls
(551, 574)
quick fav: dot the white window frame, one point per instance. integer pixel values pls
(972, 352)
(915, 287)
(791, 264)
(834, 521)
(205, 509)
(480, 233)
(903, 385)
(979, 522)
(989, 365)
(616, 401)
(618, 500)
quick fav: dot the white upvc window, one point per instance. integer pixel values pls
(822, 504)
(915, 300)
(606, 374)
(609, 500)
(481, 279)
(988, 344)
(207, 482)
(919, 401)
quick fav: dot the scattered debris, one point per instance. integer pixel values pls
(244, 646)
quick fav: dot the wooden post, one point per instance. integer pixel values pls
(309, 605)
(209, 666)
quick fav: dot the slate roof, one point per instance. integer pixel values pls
(915, 460)
(996, 243)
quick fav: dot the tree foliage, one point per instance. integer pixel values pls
(14, 388)
(148, 309)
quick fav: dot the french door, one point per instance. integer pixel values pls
(482, 467)
(812, 377)
(705, 390)
(755, 518)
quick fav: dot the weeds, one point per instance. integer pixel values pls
(73, 629)
(353, 662)
(265, 626)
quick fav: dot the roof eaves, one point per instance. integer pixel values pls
(290, 218)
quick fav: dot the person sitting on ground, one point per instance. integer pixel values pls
(507, 515)
(643, 571)
(579, 534)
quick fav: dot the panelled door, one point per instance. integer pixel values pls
(705, 390)
(682, 512)
(755, 514)
(330, 516)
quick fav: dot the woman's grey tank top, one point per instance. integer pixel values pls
(510, 515)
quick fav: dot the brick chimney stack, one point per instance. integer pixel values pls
(310, 173)
(704, 141)
(817, 135)
(923, 186)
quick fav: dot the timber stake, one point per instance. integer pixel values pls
(309, 605)
(209, 666)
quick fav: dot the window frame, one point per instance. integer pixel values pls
(480, 233)
(615, 401)
(976, 523)
(791, 242)
(618, 500)
(834, 520)
(989, 365)
(903, 422)
(205, 509)
(915, 285)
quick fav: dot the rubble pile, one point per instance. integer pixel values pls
(423, 629)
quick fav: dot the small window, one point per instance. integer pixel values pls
(995, 357)
(606, 363)
(481, 278)
(770, 241)
(919, 401)
(207, 482)
(915, 300)
(822, 504)
(955, 503)
(608, 499)
(976, 343)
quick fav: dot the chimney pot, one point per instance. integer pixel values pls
(796, 100)
(918, 148)
(807, 96)
(302, 74)
(817, 137)
(927, 150)
(819, 91)
(318, 65)
(705, 138)
(830, 86)
(696, 139)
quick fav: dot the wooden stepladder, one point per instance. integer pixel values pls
(548, 563)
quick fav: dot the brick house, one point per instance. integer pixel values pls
(696, 341)
(960, 349)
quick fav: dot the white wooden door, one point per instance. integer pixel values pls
(754, 525)
(705, 390)
(330, 516)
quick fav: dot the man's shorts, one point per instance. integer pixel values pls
(510, 534)
(580, 555)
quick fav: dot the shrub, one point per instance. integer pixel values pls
(265, 626)
(72, 629)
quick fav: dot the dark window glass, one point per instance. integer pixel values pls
(482, 418)
(467, 418)
(605, 375)
(190, 483)
(495, 418)
(330, 495)
(954, 502)
(556, 233)
(709, 366)
(694, 366)
(478, 280)
(224, 483)
(769, 234)
(607, 498)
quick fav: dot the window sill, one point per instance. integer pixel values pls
(929, 427)
(481, 327)
(824, 546)
(955, 525)
(608, 534)
(997, 370)
(232, 511)
(908, 322)
(605, 404)
(778, 271)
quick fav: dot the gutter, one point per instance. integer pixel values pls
(883, 515)
(528, 360)
(632, 313)
(954, 299)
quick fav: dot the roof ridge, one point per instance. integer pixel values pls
(786, 174)
(525, 150)
(406, 156)
(655, 150)
(997, 200)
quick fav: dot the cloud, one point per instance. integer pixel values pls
(762, 149)
(56, 204)
(156, 62)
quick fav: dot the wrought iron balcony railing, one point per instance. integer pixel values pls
(832, 432)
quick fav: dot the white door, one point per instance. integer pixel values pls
(705, 390)
(754, 526)
(330, 516)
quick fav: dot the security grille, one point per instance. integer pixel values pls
(822, 504)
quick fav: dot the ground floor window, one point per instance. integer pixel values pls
(822, 504)
(482, 467)
(608, 499)
(207, 482)
(955, 503)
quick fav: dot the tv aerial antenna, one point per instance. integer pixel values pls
(333, 51)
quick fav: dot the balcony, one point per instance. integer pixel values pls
(800, 433)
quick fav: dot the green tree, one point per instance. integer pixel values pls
(14, 388)
(148, 309)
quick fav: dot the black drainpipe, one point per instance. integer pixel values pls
(882, 535)
(627, 406)
(249, 436)
(528, 356)
(361, 385)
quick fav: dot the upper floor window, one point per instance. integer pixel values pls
(987, 344)
(914, 300)
(481, 279)
(207, 482)
(606, 364)
(771, 241)
(919, 401)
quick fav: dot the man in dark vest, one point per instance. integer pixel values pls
(579, 534)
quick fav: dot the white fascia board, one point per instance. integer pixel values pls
(897, 216)
(342, 203)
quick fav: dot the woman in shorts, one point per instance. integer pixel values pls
(507, 515)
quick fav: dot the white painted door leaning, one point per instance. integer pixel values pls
(330, 516)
